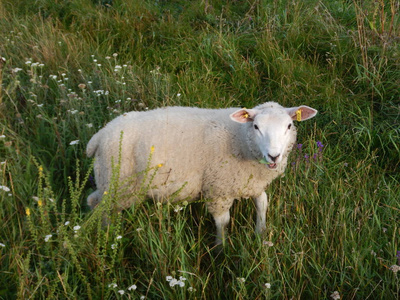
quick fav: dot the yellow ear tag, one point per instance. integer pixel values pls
(246, 116)
(298, 114)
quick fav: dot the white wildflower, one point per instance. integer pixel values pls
(169, 278)
(76, 228)
(395, 268)
(113, 246)
(2, 245)
(173, 282)
(241, 279)
(121, 292)
(90, 125)
(47, 237)
(178, 95)
(4, 188)
(119, 237)
(268, 285)
(112, 285)
(268, 243)
(74, 142)
(335, 295)
(16, 70)
(178, 208)
(66, 223)
(133, 287)
(2, 136)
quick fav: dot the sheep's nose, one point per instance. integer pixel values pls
(273, 158)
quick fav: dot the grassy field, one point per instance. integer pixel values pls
(333, 225)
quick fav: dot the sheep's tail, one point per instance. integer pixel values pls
(92, 145)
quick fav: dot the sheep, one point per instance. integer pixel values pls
(216, 154)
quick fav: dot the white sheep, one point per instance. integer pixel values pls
(217, 154)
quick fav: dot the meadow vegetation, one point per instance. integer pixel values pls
(69, 67)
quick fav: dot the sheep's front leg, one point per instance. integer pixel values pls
(261, 206)
(220, 213)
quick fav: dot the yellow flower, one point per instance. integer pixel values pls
(105, 192)
(152, 149)
(159, 165)
(40, 203)
(28, 211)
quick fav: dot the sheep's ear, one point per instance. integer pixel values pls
(244, 115)
(301, 113)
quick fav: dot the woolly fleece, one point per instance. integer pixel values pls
(198, 153)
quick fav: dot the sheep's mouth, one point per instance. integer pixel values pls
(271, 166)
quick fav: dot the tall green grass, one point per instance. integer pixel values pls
(72, 66)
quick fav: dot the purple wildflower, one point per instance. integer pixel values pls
(299, 146)
(320, 146)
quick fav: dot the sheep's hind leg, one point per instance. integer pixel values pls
(220, 212)
(261, 206)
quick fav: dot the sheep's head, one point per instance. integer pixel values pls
(271, 128)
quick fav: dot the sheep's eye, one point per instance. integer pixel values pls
(255, 127)
(290, 126)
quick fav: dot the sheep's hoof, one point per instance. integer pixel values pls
(218, 249)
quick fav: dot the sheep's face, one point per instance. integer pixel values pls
(272, 132)
(272, 129)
